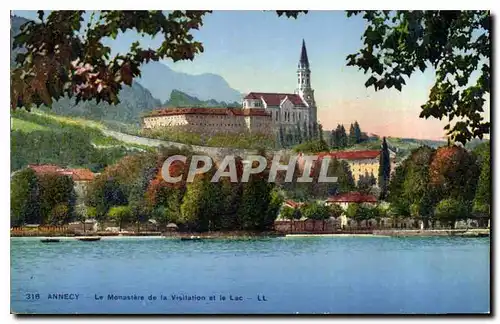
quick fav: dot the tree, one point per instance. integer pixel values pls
(343, 140)
(120, 214)
(411, 185)
(105, 192)
(314, 130)
(65, 55)
(384, 170)
(316, 211)
(59, 215)
(449, 210)
(455, 43)
(335, 210)
(320, 133)
(352, 135)
(366, 182)
(357, 132)
(482, 198)
(193, 214)
(454, 173)
(299, 134)
(288, 213)
(24, 204)
(55, 189)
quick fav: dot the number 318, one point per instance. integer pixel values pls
(33, 296)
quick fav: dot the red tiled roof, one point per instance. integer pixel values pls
(274, 99)
(293, 204)
(208, 111)
(44, 168)
(355, 197)
(351, 155)
(81, 174)
(75, 174)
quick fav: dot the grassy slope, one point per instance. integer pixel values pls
(26, 126)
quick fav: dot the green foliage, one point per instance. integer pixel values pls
(59, 215)
(55, 189)
(384, 171)
(449, 210)
(338, 138)
(366, 182)
(315, 210)
(67, 144)
(180, 99)
(24, 204)
(410, 184)
(120, 214)
(314, 146)
(482, 199)
(242, 140)
(335, 210)
(455, 43)
(287, 213)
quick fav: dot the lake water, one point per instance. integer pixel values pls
(340, 275)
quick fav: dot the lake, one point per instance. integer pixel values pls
(336, 275)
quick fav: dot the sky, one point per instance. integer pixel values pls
(259, 51)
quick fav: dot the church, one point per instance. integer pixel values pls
(262, 113)
(289, 109)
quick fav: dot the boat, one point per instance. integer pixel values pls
(191, 238)
(50, 240)
(89, 238)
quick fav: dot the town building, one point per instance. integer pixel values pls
(361, 163)
(260, 113)
(81, 177)
(345, 199)
(211, 120)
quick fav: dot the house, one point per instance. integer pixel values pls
(81, 177)
(345, 199)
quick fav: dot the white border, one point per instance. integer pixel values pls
(199, 4)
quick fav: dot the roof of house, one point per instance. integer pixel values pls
(81, 174)
(75, 174)
(293, 204)
(354, 197)
(351, 155)
(275, 99)
(208, 111)
(45, 168)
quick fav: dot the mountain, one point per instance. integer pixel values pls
(134, 101)
(180, 99)
(161, 80)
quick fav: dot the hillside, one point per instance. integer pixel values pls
(39, 138)
(181, 99)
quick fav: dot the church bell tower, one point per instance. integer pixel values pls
(304, 83)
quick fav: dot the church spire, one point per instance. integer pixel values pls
(304, 61)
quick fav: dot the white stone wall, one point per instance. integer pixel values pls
(205, 123)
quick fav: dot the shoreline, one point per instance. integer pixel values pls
(252, 235)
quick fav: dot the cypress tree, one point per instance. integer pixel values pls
(352, 135)
(384, 170)
(342, 141)
(281, 137)
(299, 133)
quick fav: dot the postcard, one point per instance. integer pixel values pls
(250, 162)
